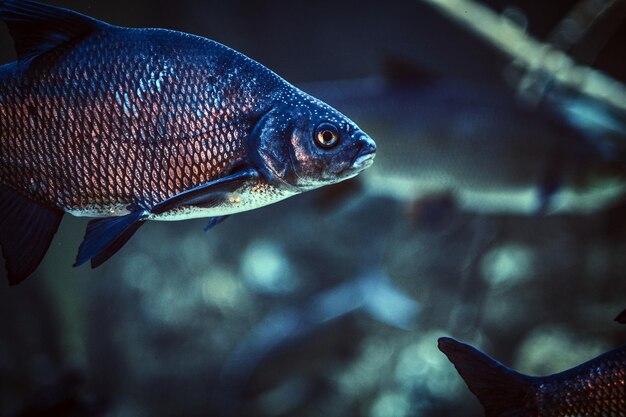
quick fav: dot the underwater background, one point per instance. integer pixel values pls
(305, 307)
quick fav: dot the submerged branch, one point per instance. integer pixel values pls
(537, 60)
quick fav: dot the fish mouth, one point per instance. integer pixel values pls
(367, 152)
(364, 160)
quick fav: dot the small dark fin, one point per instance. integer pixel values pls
(499, 389)
(402, 71)
(621, 317)
(26, 230)
(209, 194)
(38, 28)
(112, 249)
(214, 221)
(104, 237)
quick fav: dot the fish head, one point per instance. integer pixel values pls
(308, 144)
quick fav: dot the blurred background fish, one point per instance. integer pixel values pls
(476, 142)
(154, 328)
(594, 388)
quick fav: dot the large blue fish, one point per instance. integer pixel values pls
(130, 125)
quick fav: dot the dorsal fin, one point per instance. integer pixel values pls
(38, 28)
(501, 391)
(26, 230)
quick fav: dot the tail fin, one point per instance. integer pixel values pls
(26, 231)
(499, 389)
(621, 317)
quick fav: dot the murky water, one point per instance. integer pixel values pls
(305, 309)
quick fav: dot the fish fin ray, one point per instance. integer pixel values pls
(209, 194)
(38, 28)
(500, 390)
(114, 247)
(214, 221)
(26, 231)
(104, 237)
(621, 317)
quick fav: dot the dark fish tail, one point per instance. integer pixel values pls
(500, 390)
(26, 231)
(26, 227)
(621, 317)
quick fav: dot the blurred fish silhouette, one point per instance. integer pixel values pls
(595, 388)
(147, 124)
(621, 317)
(475, 142)
(373, 293)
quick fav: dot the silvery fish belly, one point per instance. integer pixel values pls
(130, 125)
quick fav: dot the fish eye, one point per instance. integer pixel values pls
(326, 135)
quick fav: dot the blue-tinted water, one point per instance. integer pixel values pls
(303, 309)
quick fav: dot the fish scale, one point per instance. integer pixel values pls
(595, 389)
(142, 116)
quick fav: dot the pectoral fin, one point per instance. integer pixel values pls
(210, 194)
(104, 237)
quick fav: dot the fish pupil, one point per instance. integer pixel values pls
(326, 135)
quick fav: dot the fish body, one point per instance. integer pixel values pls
(477, 143)
(595, 388)
(132, 125)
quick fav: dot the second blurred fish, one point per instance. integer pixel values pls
(477, 143)
(594, 388)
